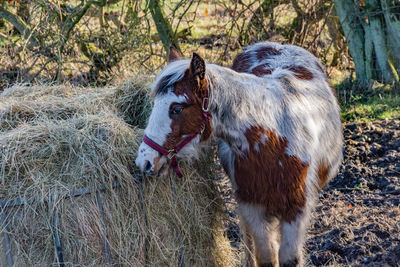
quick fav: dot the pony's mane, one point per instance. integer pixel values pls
(171, 74)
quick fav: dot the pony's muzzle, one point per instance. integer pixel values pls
(150, 162)
(148, 167)
(159, 168)
(145, 166)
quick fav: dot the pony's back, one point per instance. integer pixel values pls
(312, 118)
(264, 58)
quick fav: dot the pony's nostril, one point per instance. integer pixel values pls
(148, 167)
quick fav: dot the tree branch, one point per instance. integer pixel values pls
(20, 25)
(70, 24)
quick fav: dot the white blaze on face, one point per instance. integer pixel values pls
(157, 129)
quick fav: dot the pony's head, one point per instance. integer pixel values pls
(179, 120)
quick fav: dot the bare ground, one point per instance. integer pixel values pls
(357, 219)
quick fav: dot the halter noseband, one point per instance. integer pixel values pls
(171, 154)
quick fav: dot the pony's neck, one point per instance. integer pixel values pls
(239, 101)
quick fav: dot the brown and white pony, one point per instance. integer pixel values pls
(280, 134)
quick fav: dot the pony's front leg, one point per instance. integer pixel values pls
(293, 234)
(264, 232)
(248, 244)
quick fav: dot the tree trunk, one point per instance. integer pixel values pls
(337, 36)
(354, 34)
(163, 26)
(393, 29)
(368, 51)
(384, 73)
(373, 39)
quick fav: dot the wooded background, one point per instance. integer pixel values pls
(98, 42)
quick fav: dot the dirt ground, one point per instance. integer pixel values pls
(357, 219)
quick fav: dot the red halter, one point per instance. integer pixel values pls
(171, 154)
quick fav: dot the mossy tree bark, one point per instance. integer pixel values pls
(354, 34)
(372, 33)
(378, 35)
(163, 26)
(392, 20)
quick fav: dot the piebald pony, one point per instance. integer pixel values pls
(280, 134)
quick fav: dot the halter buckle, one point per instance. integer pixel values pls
(171, 154)
(205, 105)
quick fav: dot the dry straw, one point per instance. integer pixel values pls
(56, 139)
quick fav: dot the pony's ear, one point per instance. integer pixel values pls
(173, 54)
(198, 67)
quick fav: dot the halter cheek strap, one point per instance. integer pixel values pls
(171, 154)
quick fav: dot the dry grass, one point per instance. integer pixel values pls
(56, 139)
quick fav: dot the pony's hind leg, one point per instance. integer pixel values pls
(264, 232)
(293, 234)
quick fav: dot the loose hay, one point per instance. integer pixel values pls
(56, 139)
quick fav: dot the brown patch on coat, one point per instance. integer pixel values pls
(261, 70)
(242, 62)
(269, 177)
(323, 171)
(301, 72)
(190, 121)
(267, 51)
(157, 164)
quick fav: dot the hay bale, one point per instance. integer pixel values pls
(133, 102)
(130, 100)
(54, 140)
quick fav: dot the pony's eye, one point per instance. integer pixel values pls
(177, 110)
